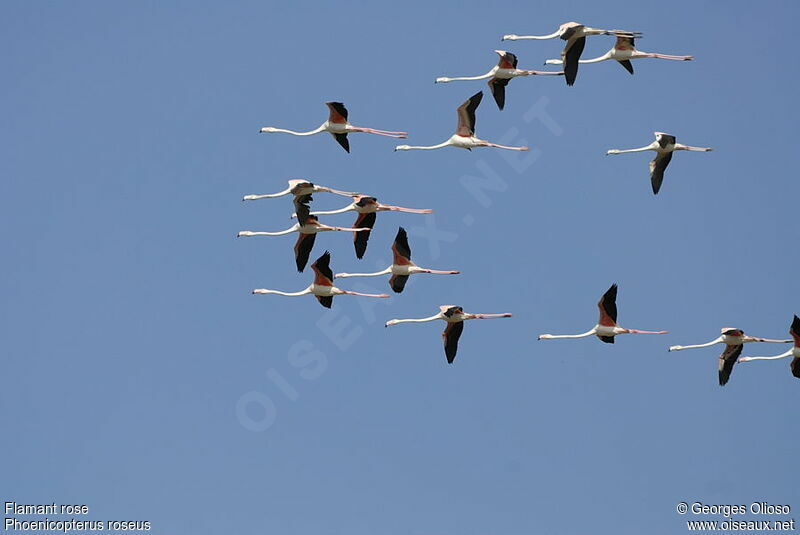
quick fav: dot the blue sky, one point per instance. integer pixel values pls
(142, 379)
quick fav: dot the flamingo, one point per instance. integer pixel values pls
(734, 340)
(624, 51)
(402, 267)
(455, 318)
(574, 33)
(338, 126)
(500, 75)
(299, 187)
(322, 287)
(606, 328)
(465, 132)
(664, 145)
(794, 366)
(367, 208)
(307, 225)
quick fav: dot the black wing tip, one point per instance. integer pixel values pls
(796, 324)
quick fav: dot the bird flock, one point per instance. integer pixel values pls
(367, 207)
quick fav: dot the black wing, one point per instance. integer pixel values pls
(727, 361)
(401, 243)
(571, 57)
(360, 239)
(498, 87)
(302, 249)
(339, 108)
(607, 339)
(627, 64)
(323, 264)
(450, 336)
(795, 367)
(610, 302)
(342, 140)
(657, 167)
(302, 208)
(325, 300)
(398, 283)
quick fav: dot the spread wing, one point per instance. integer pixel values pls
(794, 330)
(360, 239)
(627, 64)
(795, 367)
(325, 300)
(498, 87)
(400, 248)
(302, 249)
(657, 167)
(323, 275)
(343, 141)
(398, 283)
(466, 115)
(607, 339)
(726, 362)
(450, 336)
(507, 61)
(571, 54)
(608, 307)
(338, 113)
(302, 208)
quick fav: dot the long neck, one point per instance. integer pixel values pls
(445, 79)
(554, 336)
(376, 274)
(781, 356)
(278, 292)
(267, 195)
(651, 146)
(597, 59)
(414, 147)
(515, 37)
(247, 233)
(412, 320)
(283, 130)
(707, 344)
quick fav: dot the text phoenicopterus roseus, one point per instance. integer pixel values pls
(623, 52)
(574, 33)
(664, 146)
(465, 132)
(322, 287)
(338, 126)
(455, 318)
(500, 75)
(794, 365)
(402, 267)
(606, 328)
(367, 208)
(299, 187)
(734, 340)
(307, 225)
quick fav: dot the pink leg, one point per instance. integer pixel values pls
(490, 316)
(401, 135)
(440, 272)
(409, 210)
(634, 331)
(667, 56)
(351, 229)
(505, 147)
(364, 295)
(544, 72)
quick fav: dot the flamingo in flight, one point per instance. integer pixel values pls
(307, 226)
(367, 208)
(322, 287)
(624, 51)
(455, 318)
(465, 132)
(338, 126)
(299, 187)
(606, 328)
(402, 267)
(500, 75)
(734, 340)
(794, 366)
(664, 146)
(574, 33)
